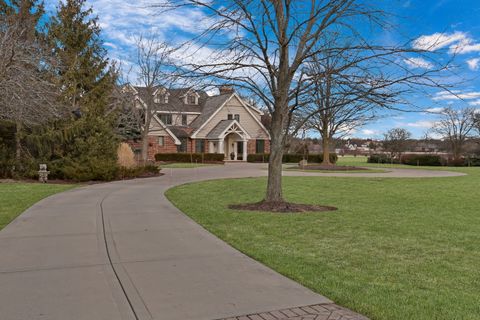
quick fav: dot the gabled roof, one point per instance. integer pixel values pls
(226, 126)
(176, 101)
(219, 129)
(164, 127)
(211, 105)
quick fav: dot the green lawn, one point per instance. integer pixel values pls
(17, 197)
(396, 248)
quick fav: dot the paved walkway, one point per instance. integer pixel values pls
(122, 251)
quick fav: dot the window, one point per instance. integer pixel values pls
(184, 119)
(200, 146)
(230, 117)
(166, 118)
(191, 99)
(183, 145)
(260, 146)
(237, 117)
(161, 141)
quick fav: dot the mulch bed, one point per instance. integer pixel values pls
(281, 207)
(327, 168)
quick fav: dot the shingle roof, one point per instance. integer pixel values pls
(211, 105)
(206, 105)
(179, 132)
(219, 128)
(175, 100)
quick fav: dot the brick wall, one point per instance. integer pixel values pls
(251, 146)
(153, 146)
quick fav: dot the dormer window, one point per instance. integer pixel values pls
(192, 99)
(161, 98)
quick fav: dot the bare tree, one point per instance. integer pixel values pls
(345, 95)
(27, 94)
(396, 142)
(152, 62)
(262, 46)
(456, 126)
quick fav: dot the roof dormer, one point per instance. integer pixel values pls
(191, 98)
(161, 95)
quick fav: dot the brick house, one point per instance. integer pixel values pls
(191, 121)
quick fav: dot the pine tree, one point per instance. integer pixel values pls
(86, 84)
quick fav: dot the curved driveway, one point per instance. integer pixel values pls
(121, 251)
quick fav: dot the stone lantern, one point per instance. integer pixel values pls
(43, 173)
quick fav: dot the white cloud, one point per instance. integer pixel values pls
(418, 63)
(457, 42)
(434, 110)
(456, 95)
(421, 124)
(473, 64)
(438, 40)
(369, 132)
(475, 103)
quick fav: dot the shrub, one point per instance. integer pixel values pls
(125, 156)
(148, 170)
(422, 160)
(381, 158)
(291, 157)
(190, 157)
(472, 161)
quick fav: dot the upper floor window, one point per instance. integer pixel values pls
(184, 119)
(161, 98)
(191, 99)
(166, 119)
(237, 117)
(230, 116)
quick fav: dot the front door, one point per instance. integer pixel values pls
(239, 150)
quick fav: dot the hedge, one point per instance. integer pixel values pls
(423, 160)
(190, 157)
(381, 158)
(291, 158)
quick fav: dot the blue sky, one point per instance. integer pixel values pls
(451, 26)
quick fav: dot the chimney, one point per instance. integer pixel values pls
(226, 89)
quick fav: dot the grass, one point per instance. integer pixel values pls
(181, 165)
(17, 197)
(396, 248)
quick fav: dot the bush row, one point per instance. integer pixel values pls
(190, 157)
(425, 160)
(381, 158)
(291, 158)
(148, 170)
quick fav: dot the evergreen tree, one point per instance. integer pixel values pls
(86, 84)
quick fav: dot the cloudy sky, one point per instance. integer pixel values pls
(452, 26)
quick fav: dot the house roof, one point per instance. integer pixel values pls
(219, 129)
(176, 103)
(210, 106)
(180, 132)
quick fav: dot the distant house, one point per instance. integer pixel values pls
(191, 121)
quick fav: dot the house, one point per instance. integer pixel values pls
(191, 121)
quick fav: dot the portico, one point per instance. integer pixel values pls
(229, 138)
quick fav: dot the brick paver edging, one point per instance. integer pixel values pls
(317, 312)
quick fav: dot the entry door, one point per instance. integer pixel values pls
(239, 150)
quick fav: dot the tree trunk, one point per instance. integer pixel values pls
(326, 152)
(144, 147)
(274, 184)
(18, 142)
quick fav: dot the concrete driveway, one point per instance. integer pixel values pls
(122, 251)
